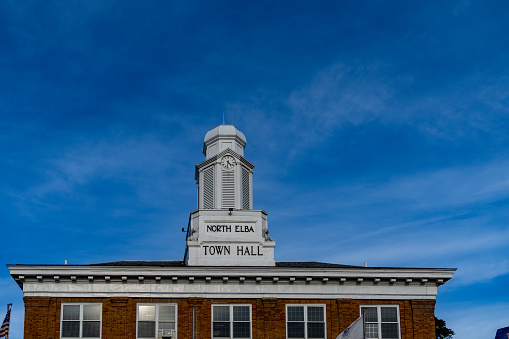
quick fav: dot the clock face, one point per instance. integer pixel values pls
(228, 162)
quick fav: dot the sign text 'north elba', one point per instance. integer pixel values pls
(228, 228)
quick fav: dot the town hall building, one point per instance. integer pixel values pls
(229, 284)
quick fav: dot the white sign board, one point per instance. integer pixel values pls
(220, 239)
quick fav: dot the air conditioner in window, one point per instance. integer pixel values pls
(166, 334)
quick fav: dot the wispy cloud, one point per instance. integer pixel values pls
(339, 95)
(90, 160)
(443, 189)
(366, 90)
(436, 218)
(480, 320)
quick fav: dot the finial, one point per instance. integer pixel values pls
(223, 117)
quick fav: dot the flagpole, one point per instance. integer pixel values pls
(9, 306)
(364, 323)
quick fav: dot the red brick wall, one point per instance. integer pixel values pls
(42, 316)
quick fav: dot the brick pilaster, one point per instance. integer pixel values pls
(423, 318)
(269, 326)
(37, 317)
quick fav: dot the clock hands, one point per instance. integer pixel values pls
(228, 162)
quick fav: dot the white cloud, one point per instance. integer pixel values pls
(482, 268)
(104, 159)
(449, 191)
(338, 95)
(435, 218)
(476, 322)
(365, 91)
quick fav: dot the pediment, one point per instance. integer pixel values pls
(228, 151)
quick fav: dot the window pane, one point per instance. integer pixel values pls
(315, 313)
(221, 330)
(146, 313)
(295, 313)
(390, 331)
(91, 329)
(166, 313)
(91, 312)
(241, 330)
(167, 326)
(371, 330)
(221, 313)
(241, 313)
(370, 314)
(146, 329)
(389, 314)
(71, 312)
(316, 330)
(71, 329)
(295, 330)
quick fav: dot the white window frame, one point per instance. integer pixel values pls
(379, 317)
(231, 319)
(157, 305)
(80, 319)
(306, 317)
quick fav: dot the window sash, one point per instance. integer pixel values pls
(231, 321)
(380, 324)
(80, 320)
(306, 321)
(149, 321)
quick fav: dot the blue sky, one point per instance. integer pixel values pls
(379, 132)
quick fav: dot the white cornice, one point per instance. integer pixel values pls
(233, 282)
(367, 272)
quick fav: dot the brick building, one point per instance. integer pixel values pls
(228, 285)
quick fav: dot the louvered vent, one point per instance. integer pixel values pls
(228, 179)
(245, 189)
(208, 188)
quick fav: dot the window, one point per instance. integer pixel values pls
(245, 189)
(231, 321)
(81, 320)
(382, 322)
(208, 188)
(228, 185)
(153, 318)
(305, 321)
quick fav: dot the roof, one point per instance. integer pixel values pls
(225, 131)
(180, 263)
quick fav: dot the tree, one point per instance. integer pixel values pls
(442, 331)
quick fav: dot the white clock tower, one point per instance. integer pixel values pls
(225, 177)
(225, 230)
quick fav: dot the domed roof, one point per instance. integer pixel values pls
(225, 131)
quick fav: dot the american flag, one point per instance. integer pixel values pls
(4, 330)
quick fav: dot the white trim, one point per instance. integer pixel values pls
(216, 288)
(157, 305)
(80, 304)
(257, 282)
(306, 317)
(231, 318)
(379, 316)
(348, 272)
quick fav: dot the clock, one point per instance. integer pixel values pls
(228, 162)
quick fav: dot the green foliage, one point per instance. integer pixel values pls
(442, 331)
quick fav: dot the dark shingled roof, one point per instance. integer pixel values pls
(310, 264)
(168, 263)
(178, 263)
